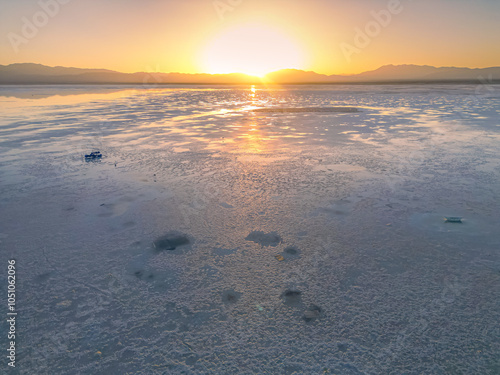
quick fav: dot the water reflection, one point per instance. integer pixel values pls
(252, 95)
(217, 119)
(253, 140)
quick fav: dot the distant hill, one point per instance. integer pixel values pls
(428, 73)
(41, 74)
(392, 73)
(43, 70)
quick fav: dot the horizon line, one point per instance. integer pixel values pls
(252, 75)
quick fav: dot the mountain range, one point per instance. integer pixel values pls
(28, 73)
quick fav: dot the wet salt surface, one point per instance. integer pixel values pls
(306, 109)
(161, 257)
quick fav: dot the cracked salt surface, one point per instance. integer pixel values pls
(373, 280)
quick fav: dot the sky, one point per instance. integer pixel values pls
(250, 36)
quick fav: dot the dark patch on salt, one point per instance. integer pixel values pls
(312, 313)
(43, 277)
(290, 253)
(292, 297)
(230, 296)
(291, 250)
(171, 241)
(342, 347)
(129, 224)
(93, 156)
(143, 275)
(264, 239)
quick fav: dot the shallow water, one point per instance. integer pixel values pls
(172, 253)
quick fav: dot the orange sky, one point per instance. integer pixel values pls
(250, 36)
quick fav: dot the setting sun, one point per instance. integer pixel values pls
(252, 49)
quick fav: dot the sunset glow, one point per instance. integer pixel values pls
(254, 37)
(252, 49)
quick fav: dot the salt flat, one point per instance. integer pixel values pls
(226, 232)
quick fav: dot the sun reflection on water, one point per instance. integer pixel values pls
(253, 90)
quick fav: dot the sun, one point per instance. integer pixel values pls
(252, 49)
